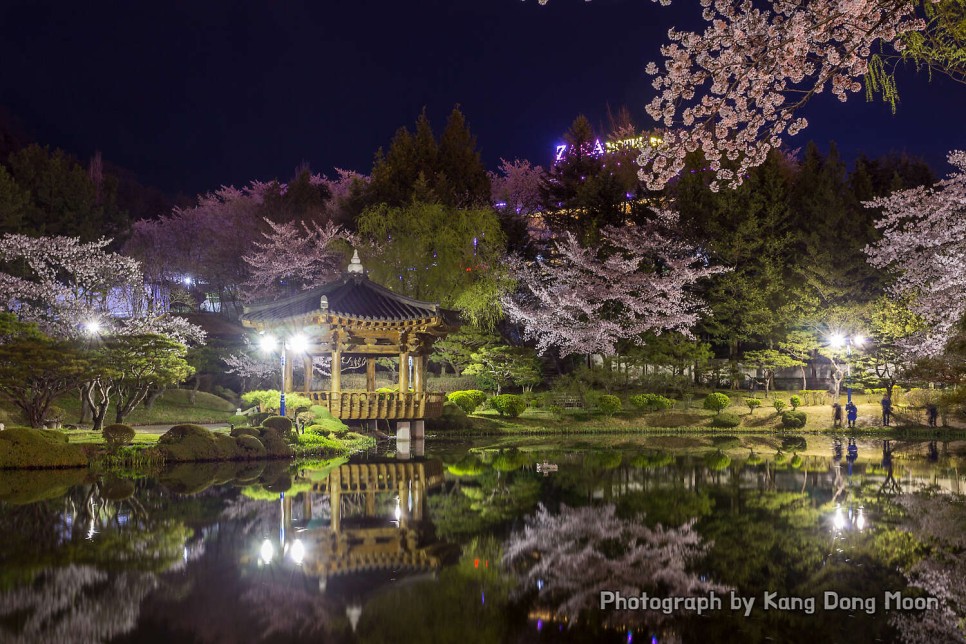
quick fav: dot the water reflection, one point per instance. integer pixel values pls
(370, 549)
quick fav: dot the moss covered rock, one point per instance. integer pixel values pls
(23, 447)
(453, 417)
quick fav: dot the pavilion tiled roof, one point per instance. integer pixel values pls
(354, 296)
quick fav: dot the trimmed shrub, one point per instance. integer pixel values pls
(275, 445)
(609, 405)
(244, 431)
(195, 443)
(281, 424)
(469, 465)
(250, 447)
(753, 404)
(796, 462)
(114, 488)
(726, 420)
(779, 405)
(794, 443)
(716, 402)
(239, 420)
(651, 402)
(754, 459)
(256, 419)
(453, 417)
(321, 441)
(603, 460)
(464, 400)
(780, 458)
(793, 419)
(795, 402)
(508, 404)
(117, 435)
(23, 447)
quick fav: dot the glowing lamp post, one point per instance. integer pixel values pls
(295, 344)
(838, 341)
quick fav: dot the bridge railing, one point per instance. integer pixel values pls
(369, 405)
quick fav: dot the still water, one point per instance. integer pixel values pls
(661, 539)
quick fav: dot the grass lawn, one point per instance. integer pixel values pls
(694, 419)
(172, 408)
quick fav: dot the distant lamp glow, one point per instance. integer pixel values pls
(858, 340)
(267, 552)
(92, 327)
(398, 511)
(837, 341)
(298, 344)
(267, 343)
(297, 553)
(187, 280)
(860, 520)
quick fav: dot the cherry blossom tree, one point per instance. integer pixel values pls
(575, 555)
(65, 286)
(294, 257)
(516, 186)
(924, 242)
(735, 90)
(586, 299)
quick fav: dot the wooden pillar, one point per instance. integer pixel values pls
(336, 371)
(404, 372)
(370, 374)
(419, 376)
(307, 382)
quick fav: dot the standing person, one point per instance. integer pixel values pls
(851, 413)
(836, 415)
(886, 410)
(933, 412)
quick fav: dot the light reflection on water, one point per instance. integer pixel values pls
(394, 549)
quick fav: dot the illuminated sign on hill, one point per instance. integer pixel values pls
(610, 146)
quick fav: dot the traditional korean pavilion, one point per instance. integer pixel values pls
(356, 317)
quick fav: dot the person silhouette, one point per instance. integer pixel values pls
(886, 410)
(851, 413)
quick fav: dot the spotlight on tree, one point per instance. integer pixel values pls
(837, 341)
(92, 327)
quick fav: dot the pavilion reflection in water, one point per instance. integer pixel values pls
(364, 517)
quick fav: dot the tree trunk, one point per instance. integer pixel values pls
(193, 396)
(85, 406)
(152, 397)
(804, 381)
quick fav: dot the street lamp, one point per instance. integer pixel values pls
(838, 341)
(296, 344)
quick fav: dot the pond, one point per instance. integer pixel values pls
(657, 539)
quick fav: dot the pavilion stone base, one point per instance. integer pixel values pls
(410, 438)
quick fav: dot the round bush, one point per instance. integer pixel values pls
(509, 404)
(239, 420)
(244, 431)
(469, 465)
(753, 403)
(794, 443)
(796, 462)
(651, 402)
(250, 447)
(780, 458)
(726, 420)
(725, 442)
(609, 405)
(464, 400)
(716, 402)
(754, 459)
(117, 434)
(793, 419)
(652, 460)
(281, 424)
(717, 460)
(453, 417)
(779, 405)
(795, 402)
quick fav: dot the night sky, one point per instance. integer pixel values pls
(192, 94)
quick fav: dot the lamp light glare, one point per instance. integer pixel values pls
(298, 344)
(839, 519)
(267, 343)
(837, 341)
(267, 552)
(93, 327)
(858, 340)
(297, 553)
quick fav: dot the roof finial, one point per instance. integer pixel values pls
(355, 265)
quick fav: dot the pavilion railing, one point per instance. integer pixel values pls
(369, 405)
